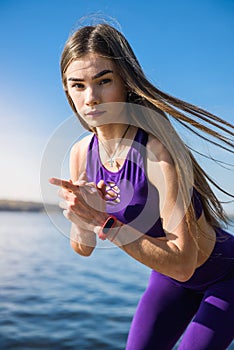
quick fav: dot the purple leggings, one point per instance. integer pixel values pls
(167, 310)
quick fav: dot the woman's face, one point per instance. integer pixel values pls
(94, 85)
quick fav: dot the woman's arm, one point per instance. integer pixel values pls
(82, 240)
(174, 255)
(164, 255)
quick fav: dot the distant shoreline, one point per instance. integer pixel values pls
(26, 206)
(30, 206)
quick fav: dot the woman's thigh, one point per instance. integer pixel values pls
(162, 315)
(213, 326)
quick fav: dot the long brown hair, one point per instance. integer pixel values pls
(106, 41)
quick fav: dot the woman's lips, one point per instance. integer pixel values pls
(95, 113)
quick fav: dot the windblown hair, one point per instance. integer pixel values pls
(106, 41)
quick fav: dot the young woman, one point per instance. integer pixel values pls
(134, 182)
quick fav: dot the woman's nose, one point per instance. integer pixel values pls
(92, 98)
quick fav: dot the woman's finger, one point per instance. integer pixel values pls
(101, 186)
(66, 195)
(64, 184)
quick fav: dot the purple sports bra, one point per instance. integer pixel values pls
(136, 200)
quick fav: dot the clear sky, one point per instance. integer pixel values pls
(185, 47)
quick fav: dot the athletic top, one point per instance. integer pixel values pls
(137, 201)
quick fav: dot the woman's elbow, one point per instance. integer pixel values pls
(184, 276)
(184, 272)
(83, 251)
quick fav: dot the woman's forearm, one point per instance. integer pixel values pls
(83, 242)
(159, 254)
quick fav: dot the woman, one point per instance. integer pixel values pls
(134, 182)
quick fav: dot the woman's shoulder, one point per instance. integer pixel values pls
(78, 156)
(81, 146)
(156, 150)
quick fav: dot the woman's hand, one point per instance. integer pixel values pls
(85, 205)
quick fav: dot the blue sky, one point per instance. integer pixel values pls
(185, 48)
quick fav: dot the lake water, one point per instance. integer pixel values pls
(52, 298)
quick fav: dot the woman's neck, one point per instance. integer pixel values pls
(111, 131)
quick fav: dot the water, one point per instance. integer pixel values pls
(51, 298)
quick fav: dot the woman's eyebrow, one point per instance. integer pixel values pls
(96, 76)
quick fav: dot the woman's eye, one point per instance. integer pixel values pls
(104, 81)
(78, 86)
